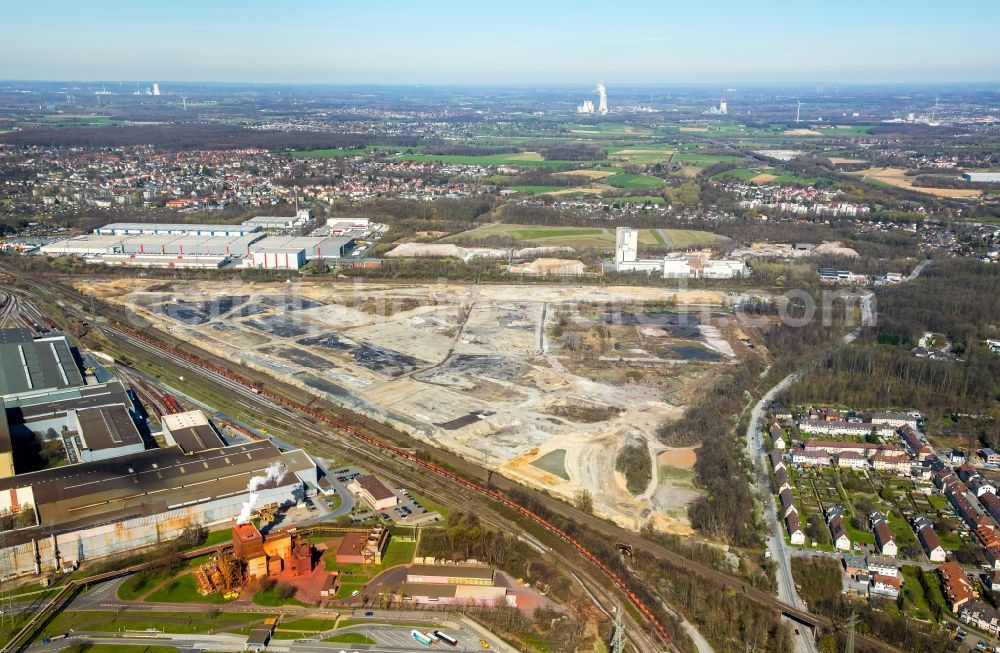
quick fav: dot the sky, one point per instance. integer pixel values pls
(505, 42)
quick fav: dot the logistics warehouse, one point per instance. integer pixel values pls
(113, 494)
(262, 242)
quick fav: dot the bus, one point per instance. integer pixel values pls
(420, 637)
(447, 639)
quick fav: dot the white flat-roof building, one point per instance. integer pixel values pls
(278, 258)
(140, 228)
(982, 177)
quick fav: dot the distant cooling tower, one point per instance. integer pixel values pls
(156, 89)
(602, 105)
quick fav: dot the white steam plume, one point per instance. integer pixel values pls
(274, 472)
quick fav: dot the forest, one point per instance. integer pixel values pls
(951, 297)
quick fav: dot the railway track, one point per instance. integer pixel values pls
(252, 384)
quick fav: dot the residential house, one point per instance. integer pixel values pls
(885, 585)
(989, 456)
(884, 540)
(955, 585)
(993, 581)
(944, 478)
(824, 427)
(966, 472)
(955, 457)
(787, 503)
(914, 443)
(991, 502)
(980, 616)
(796, 535)
(992, 557)
(810, 458)
(854, 564)
(883, 565)
(980, 486)
(781, 412)
(851, 459)
(781, 480)
(777, 437)
(838, 532)
(929, 540)
(896, 420)
(884, 461)
(958, 496)
(777, 460)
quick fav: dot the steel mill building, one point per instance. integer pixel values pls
(117, 491)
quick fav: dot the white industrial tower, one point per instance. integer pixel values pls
(798, 111)
(602, 105)
(626, 244)
(156, 88)
(723, 107)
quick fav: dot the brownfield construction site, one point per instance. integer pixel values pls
(543, 383)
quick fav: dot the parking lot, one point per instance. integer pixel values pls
(407, 512)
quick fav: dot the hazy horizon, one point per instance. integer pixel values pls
(447, 43)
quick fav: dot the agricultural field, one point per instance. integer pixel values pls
(518, 159)
(642, 155)
(599, 237)
(632, 181)
(700, 160)
(608, 130)
(331, 153)
(537, 190)
(896, 177)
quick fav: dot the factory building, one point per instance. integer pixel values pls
(29, 364)
(191, 432)
(363, 548)
(291, 253)
(154, 245)
(453, 584)
(277, 223)
(686, 266)
(113, 495)
(145, 229)
(280, 551)
(982, 177)
(278, 258)
(66, 515)
(207, 246)
(159, 260)
(374, 492)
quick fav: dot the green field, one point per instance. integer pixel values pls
(846, 131)
(350, 638)
(601, 238)
(700, 160)
(331, 153)
(519, 159)
(628, 180)
(641, 155)
(536, 190)
(170, 622)
(183, 590)
(270, 599)
(788, 178)
(608, 130)
(634, 199)
(743, 174)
